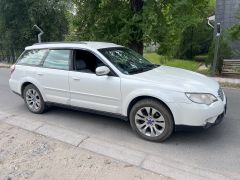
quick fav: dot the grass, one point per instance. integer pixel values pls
(179, 63)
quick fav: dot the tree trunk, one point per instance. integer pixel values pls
(2, 56)
(136, 42)
(192, 31)
(136, 46)
(13, 56)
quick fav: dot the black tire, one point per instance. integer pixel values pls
(169, 122)
(42, 106)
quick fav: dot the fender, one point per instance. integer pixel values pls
(35, 83)
(162, 96)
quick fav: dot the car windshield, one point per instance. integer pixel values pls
(127, 61)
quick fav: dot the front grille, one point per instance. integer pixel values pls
(221, 94)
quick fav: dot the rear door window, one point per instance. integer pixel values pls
(57, 59)
(32, 57)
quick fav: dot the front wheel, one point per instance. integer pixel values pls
(151, 120)
(33, 99)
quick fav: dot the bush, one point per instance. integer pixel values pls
(223, 53)
(195, 40)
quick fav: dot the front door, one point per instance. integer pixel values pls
(87, 90)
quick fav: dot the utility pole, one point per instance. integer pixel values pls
(217, 42)
(216, 50)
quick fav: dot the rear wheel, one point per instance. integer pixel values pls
(33, 99)
(151, 120)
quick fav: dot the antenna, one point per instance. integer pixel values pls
(40, 34)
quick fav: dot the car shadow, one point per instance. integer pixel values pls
(94, 122)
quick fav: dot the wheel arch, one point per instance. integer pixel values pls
(26, 83)
(139, 98)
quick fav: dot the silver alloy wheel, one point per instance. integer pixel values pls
(33, 99)
(150, 121)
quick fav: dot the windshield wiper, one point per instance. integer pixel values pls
(151, 66)
(135, 71)
(143, 69)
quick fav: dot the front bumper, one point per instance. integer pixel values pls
(197, 116)
(218, 121)
(193, 128)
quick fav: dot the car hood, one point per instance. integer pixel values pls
(179, 80)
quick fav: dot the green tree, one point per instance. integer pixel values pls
(127, 22)
(136, 22)
(197, 38)
(234, 31)
(187, 32)
(18, 17)
(109, 20)
(224, 52)
(13, 17)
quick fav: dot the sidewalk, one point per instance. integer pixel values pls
(2, 65)
(227, 80)
(26, 155)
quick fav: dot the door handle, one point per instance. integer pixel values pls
(40, 74)
(76, 78)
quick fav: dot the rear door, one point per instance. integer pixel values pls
(53, 76)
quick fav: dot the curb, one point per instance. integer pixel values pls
(227, 80)
(60, 134)
(5, 66)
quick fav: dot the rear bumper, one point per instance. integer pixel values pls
(14, 86)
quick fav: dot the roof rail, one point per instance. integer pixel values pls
(61, 42)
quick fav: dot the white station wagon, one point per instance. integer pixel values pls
(114, 80)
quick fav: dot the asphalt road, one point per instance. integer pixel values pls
(216, 149)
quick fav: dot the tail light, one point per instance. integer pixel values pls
(12, 68)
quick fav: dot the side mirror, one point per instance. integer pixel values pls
(102, 71)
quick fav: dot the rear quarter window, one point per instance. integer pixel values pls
(32, 57)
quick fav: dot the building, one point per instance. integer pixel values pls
(228, 14)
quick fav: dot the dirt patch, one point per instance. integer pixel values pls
(25, 155)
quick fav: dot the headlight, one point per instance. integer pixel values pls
(201, 98)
